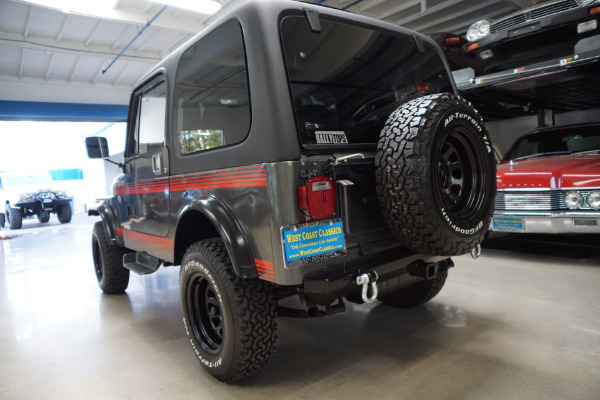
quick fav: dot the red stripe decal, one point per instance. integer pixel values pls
(240, 177)
(265, 270)
(142, 238)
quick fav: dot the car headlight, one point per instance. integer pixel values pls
(593, 200)
(478, 30)
(62, 195)
(586, 2)
(573, 200)
(26, 197)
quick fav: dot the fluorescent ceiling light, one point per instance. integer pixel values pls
(199, 6)
(83, 7)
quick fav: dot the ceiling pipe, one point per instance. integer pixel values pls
(352, 4)
(134, 39)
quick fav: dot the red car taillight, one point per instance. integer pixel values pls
(317, 198)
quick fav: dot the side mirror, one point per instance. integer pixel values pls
(97, 147)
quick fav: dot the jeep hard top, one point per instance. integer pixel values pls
(293, 150)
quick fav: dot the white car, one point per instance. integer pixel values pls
(28, 193)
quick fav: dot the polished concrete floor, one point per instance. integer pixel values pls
(509, 325)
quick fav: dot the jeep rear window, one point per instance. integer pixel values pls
(347, 79)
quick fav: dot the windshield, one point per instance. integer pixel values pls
(346, 80)
(569, 140)
(26, 180)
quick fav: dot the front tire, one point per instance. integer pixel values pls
(230, 322)
(111, 275)
(2, 220)
(64, 213)
(14, 217)
(436, 175)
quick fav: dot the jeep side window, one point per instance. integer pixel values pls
(211, 106)
(150, 124)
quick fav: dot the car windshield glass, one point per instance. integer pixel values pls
(346, 80)
(26, 180)
(569, 140)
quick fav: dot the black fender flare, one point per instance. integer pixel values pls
(229, 230)
(109, 220)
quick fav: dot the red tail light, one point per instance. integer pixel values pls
(318, 197)
(453, 41)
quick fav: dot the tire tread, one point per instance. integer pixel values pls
(256, 309)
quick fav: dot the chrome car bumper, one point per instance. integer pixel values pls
(545, 222)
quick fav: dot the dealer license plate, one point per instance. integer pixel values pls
(507, 224)
(313, 241)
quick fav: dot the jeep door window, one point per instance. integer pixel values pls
(211, 105)
(346, 80)
(150, 122)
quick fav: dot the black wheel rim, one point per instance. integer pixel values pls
(461, 175)
(204, 314)
(97, 260)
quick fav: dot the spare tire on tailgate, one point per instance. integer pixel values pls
(436, 175)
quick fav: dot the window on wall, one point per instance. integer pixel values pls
(211, 103)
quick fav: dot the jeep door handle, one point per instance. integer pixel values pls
(157, 163)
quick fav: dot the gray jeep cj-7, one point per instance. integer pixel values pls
(287, 150)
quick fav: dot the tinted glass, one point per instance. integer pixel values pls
(347, 80)
(152, 108)
(211, 103)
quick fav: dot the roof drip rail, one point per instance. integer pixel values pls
(134, 39)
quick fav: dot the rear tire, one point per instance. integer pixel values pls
(14, 217)
(418, 293)
(64, 213)
(111, 275)
(2, 220)
(230, 322)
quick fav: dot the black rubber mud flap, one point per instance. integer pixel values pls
(436, 175)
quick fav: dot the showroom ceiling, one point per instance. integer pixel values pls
(63, 54)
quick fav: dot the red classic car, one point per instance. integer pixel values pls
(549, 182)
